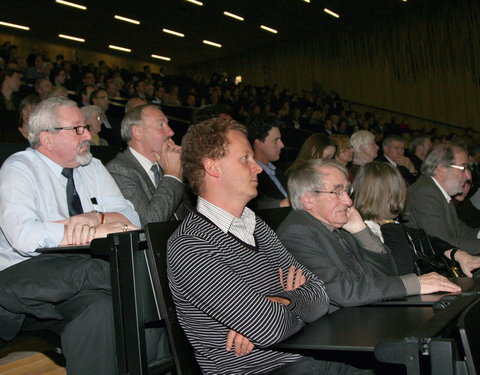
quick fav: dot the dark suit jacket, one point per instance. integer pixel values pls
(407, 176)
(269, 196)
(428, 209)
(317, 248)
(152, 204)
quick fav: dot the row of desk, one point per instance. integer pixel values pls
(406, 331)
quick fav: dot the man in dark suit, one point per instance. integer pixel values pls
(265, 138)
(148, 172)
(326, 234)
(429, 204)
(393, 153)
(419, 147)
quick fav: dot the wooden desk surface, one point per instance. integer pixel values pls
(358, 328)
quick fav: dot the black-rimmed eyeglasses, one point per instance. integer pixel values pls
(80, 129)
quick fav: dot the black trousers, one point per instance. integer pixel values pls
(70, 295)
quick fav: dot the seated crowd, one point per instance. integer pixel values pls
(352, 236)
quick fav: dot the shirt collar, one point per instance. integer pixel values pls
(269, 168)
(445, 194)
(390, 161)
(56, 168)
(144, 162)
(223, 219)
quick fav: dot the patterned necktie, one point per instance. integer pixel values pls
(347, 250)
(156, 173)
(73, 200)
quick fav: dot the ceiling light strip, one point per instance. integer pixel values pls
(127, 19)
(71, 38)
(161, 57)
(14, 25)
(195, 2)
(212, 43)
(328, 11)
(228, 14)
(119, 48)
(173, 32)
(268, 29)
(73, 5)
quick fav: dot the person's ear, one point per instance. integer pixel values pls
(307, 201)
(211, 167)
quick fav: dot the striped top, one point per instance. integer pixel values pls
(220, 283)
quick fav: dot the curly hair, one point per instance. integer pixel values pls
(206, 140)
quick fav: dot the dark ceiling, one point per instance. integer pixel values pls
(294, 20)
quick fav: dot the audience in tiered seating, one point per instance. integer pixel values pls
(236, 288)
(51, 195)
(324, 232)
(327, 235)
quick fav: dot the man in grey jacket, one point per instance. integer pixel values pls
(327, 234)
(148, 172)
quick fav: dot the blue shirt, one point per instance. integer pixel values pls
(33, 197)
(270, 171)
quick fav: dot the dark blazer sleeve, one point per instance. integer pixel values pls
(316, 248)
(428, 209)
(152, 204)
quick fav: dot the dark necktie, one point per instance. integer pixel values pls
(156, 173)
(73, 200)
(347, 250)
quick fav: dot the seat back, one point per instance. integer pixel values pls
(273, 216)
(157, 237)
(470, 336)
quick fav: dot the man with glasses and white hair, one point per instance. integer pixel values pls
(55, 194)
(445, 171)
(326, 233)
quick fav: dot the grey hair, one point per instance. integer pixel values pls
(90, 111)
(44, 117)
(392, 137)
(441, 154)
(361, 138)
(417, 141)
(132, 117)
(307, 177)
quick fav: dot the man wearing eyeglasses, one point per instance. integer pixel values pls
(445, 172)
(110, 124)
(55, 194)
(327, 234)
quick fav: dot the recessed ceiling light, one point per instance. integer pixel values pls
(14, 25)
(307, 1)
(195, 2)
(212, 43)
(127, 20)
(328, 11)
(161, 57)
(173, 33)
(119, 48)
(71, 38)
(228, 14)
(268, 29)
(73, 5)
